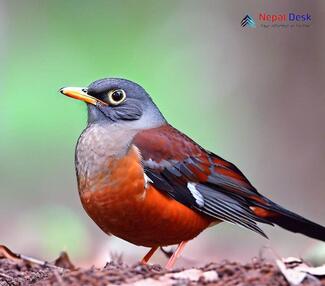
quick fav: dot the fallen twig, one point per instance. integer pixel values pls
(5, 252)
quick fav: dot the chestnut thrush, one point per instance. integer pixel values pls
(144, 181)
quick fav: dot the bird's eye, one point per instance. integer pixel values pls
(117, 96)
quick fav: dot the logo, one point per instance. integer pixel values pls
(284, 17)
(282, 20)
(248, 21)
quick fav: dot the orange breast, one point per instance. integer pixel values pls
(120, 204)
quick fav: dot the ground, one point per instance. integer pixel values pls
(17, 270)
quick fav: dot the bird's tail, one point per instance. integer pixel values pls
(280, 216)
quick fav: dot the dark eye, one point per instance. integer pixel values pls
(115, 97)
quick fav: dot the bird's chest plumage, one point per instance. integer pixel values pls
(114, 192)
(101, 151)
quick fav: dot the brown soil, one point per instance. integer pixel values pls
(19, 272)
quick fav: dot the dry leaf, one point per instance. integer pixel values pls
(64, 261)
(5, 252)
(295, 270)
(291, 274)
(315, 271)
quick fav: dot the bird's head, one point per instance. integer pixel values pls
(115, 100)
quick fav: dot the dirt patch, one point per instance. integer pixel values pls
(259, 272)
(17, 269)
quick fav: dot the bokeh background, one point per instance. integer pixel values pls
(253, 96)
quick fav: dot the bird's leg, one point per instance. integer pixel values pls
(175, 255)
(146, 258)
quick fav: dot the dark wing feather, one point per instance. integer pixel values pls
(172, 160)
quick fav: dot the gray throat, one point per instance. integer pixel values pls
(97, 144)
(104, 139)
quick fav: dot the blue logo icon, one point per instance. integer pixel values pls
(248, 21)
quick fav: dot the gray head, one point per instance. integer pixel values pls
(115, 100)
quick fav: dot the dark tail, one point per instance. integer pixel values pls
(288, 220)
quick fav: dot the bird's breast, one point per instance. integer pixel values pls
(98, 148)
(115, 194)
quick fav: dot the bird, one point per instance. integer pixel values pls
(146, 182)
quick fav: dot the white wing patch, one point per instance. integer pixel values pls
(196, 194)
(147, 180)
(154, 165)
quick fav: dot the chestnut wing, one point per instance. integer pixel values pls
(197, 178)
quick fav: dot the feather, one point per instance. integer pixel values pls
(197, 178)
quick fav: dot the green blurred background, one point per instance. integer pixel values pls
(253, 96)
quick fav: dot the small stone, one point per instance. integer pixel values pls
(210, 276)
(190, 274)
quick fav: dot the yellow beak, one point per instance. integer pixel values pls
(80, 94)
